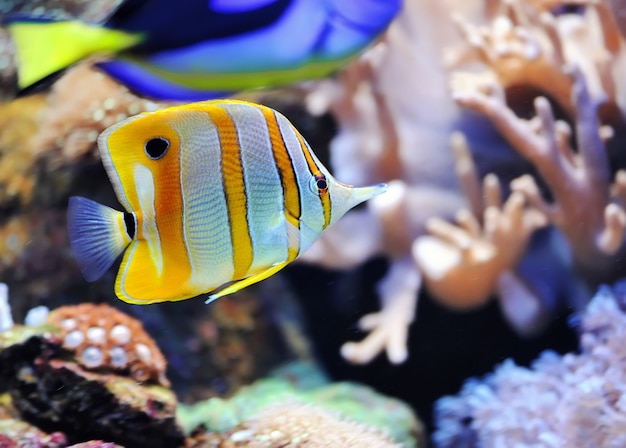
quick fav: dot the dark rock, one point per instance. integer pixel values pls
(54, 393)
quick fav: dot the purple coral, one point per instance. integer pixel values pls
(572, 400)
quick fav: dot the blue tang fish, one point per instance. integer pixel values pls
(197, 49)
(218, 195)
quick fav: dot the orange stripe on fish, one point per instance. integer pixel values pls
(286, 171)
(164, 185)
(235, 190)
(319, 178)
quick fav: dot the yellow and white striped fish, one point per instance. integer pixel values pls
(218, 195)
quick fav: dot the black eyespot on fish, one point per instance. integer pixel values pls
(568, 8)
(321, 184)
(156, 147)
(129, 222)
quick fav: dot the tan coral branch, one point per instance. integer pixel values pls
(388, 328)
(579, 182)
(462, 264)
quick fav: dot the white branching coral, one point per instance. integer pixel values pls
(390, 132)
(6, 317)
(465, 264)
(545, 75)
(574, 400)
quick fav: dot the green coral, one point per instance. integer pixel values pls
(20, 333)
(305, 383)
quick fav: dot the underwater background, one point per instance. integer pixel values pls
(477, 303)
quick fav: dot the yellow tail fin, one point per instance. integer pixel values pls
(45, 47)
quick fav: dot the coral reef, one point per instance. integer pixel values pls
(578, 181)
(296, 425)
(16, 433)
(565, 59)
(387, 134)
(80, 105)
(573, 400)
(103, 338)
(50, 389)
(299, 387)
(482, 251)
(6, 317)
(498, 125)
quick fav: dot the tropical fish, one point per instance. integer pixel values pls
(198, 49)
(218, 195)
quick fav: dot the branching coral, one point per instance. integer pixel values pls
(526, 48)
(6, 318)
(571, 53)
(579, 182)
(574, 400)
(389, 132)
(464, 264)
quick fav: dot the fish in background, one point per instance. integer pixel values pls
(191, 50)
(218, 195)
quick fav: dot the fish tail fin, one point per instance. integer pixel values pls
(97, 234)
(43, 46)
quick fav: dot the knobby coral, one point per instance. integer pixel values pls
(52, 382)
(102, 337)
(572, 400)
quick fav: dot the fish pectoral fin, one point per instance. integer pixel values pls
(240, 284)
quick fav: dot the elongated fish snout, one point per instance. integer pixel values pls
(346, 197)
(362, 194)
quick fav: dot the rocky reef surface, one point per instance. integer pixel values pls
(90, 376)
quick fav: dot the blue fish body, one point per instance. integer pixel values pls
(198, 49)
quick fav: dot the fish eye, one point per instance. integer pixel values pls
(318, 184)
(156, 147)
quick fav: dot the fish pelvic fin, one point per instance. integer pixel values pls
(97, 234)
(243, 283)
(43, 47)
